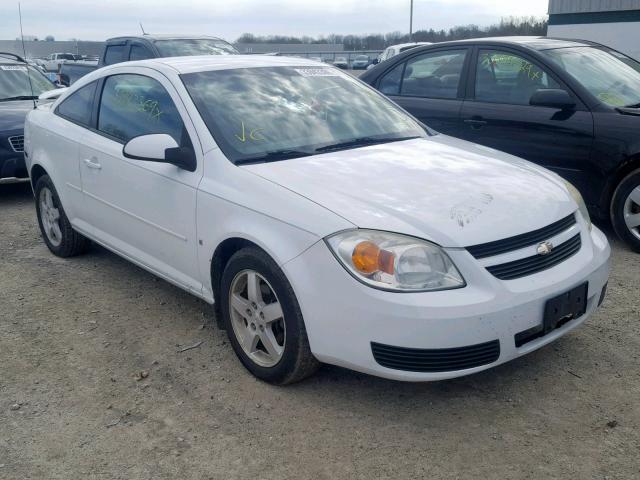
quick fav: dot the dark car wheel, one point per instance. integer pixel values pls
(55, 227)
(625, 210)
(263, 319)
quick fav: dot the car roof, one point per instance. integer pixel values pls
(534, 43)
(222, 62)
(7, 58)
(154, 37)
(410, 44)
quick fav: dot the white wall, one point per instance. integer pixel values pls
(623, 36)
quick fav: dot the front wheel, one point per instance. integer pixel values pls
(263, 319)
(55, 227)
(625, 210)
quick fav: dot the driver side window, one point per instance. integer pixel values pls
(134, 105)
(503, 77)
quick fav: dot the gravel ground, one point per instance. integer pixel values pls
(93, 386)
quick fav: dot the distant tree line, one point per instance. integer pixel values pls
(507, 26)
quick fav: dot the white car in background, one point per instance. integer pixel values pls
(52, 62)
(394, 50)
(326, 223)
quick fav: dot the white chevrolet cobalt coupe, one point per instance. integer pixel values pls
(326, 223)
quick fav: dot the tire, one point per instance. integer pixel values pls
(285, 356)
(62, 240)
(625, 210)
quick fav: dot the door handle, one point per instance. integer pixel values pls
(92, 163)
(475, 123)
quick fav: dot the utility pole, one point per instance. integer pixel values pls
(411, 22)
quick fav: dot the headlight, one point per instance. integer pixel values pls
(580, 201)
(390, 261)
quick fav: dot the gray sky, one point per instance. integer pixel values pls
(100, 19)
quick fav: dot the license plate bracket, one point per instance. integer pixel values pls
(565, 307)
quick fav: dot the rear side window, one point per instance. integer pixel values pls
(434, 75)
(390, 83)
(134, 105)
(138, 52)
(114, 54)
(77, 107)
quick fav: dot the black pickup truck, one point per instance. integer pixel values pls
(141, 47)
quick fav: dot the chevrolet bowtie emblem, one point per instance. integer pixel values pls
(544, 248)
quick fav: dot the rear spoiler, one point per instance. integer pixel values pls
(52, 95)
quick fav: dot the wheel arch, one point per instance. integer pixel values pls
(37, 171)
(221, 256)
(631, 164)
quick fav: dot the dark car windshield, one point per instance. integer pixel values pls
(194, 46)
(611, 76)
(274, 113)
(14, 83)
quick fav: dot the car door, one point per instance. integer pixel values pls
(71, 120)
(498, 114)
(144, 210)
(430, 86)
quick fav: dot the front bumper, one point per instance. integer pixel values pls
(343, 317)
(12, 163)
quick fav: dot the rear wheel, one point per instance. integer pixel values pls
(263, 319)
(625, 210)
(55, 227)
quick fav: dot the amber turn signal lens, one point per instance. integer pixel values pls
(368, 258)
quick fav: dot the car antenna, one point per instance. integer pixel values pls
(24, 52)
(142, 28)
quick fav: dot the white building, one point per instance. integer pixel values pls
(615, 23)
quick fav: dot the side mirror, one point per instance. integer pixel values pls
(52, 94)
(161, 148)
(375, 61)
(552, 98)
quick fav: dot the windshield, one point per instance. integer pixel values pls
(14, 82)
(362, 57)
(611, 76)
(284, 112)
(189, 47)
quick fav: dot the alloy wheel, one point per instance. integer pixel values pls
(50, 216)
(257, 318)
(632, 212)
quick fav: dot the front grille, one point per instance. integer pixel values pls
(537, 263)
(17, 143)
(436, 360)
(520, 241)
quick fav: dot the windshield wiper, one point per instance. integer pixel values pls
(273, 156)
(20, 97)
(635, 105)
(361, 142)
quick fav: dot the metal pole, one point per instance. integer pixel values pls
(411, 23)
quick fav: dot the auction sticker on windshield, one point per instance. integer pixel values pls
(316, 72)
(13, 67)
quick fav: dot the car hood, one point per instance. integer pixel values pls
(446, 190)
(12, 114)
